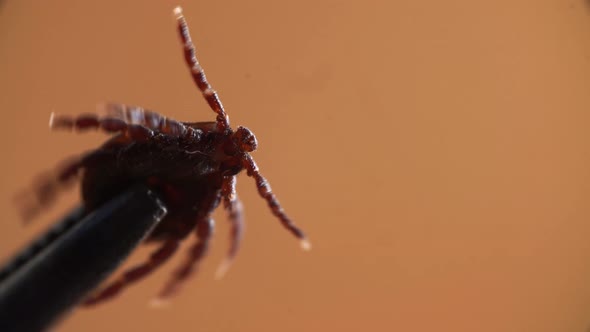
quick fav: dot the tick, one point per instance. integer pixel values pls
(193, 165)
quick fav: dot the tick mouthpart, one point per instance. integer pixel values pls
(245, 139)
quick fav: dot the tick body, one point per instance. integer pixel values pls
(192, 165)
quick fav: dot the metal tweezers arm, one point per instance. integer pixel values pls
(51, 276)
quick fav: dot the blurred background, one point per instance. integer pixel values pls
(436, 152)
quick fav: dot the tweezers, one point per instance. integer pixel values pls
(57, 270)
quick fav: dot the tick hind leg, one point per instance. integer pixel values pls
(233, 206)
(47, 186)
(204, 232)
(135, 274)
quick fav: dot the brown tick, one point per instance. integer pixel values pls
(193, 165)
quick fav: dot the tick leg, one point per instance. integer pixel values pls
(47, 186)
(273, 203)
(233, 206)
(198, 73)
(135, 115)
(135, 274)
(110, 125)
(197, 251)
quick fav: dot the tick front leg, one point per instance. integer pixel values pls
(135, 274)
(204, 232)
(198, 74)
(233, 206)
(273, 203)
(110, 125)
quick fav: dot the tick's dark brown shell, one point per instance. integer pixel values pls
(183, 170)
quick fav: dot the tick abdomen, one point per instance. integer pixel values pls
(184, 178)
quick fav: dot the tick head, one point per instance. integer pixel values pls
(245, 139)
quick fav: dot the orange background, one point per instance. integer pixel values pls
(436, 152)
